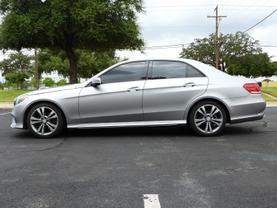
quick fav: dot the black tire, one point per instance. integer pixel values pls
(57, 121)
(217, 121)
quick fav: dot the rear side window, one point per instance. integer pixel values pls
(173, 69)
(125, 73)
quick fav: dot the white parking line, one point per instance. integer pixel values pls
(151, 201)
(3, 114)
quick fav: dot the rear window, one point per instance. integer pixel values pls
(173, 69)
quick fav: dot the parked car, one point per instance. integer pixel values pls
(149, 92)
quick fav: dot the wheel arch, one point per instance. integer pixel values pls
(39, 102)
(223, 104)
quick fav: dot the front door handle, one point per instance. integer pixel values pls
(133, 89)
(189, 84)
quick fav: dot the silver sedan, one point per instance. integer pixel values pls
(148, 92)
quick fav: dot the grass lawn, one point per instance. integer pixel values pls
(270, 88)
(9, 95)
(269, 99)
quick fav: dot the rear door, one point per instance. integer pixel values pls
(171, 86)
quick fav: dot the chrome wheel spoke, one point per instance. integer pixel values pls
(215, 112)
(40, 127)
(43, 129)
(199, 121)
(53, 126)
(35, 120)
(207, 127)
(41, 111)
(52, 115)
(217, 121)
(202, 110)
(210, 127)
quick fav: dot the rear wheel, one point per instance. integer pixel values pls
(207, 118)
(45, 120)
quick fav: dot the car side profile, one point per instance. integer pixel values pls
(148, 92)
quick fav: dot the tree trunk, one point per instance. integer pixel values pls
(37, 76)
(73, 60)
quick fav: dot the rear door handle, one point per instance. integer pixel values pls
(133, 89)
(190, 84)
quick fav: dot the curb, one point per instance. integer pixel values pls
(271, 104)
(6, 105)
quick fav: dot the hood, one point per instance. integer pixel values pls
(54, 89)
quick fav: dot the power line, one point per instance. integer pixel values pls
(269, 46)
(210, 5)
(167, 46)
(187, 44)
(260, 21)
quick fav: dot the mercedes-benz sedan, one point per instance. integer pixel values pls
(152, 92)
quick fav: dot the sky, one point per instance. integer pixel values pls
(172, 22)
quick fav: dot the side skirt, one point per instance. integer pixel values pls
(126, 124)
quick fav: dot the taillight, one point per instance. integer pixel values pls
(252, 88)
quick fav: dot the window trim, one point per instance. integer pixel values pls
(152, 63)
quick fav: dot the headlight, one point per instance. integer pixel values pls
(20, 99)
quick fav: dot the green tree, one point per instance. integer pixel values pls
(251, 65)
(16, 68)
(69, 25)
(274, 67)
(16, 62)
(61, 82)
(17, 77)
(48, 82)
(233, 48)
(89, 62)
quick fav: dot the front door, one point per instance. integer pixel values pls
(118, 98)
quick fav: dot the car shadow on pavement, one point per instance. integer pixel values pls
(153, 132)
(176, 131)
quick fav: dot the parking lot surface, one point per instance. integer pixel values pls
(134, 167)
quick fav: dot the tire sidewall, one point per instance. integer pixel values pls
(61, 124)
(192, 123)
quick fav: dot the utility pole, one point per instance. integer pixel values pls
(216, 44)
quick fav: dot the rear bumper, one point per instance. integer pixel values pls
(247, 118)
(248, 108)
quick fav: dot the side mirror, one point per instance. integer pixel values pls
(95, 82)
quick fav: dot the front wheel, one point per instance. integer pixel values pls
(45, 120)
(207, 118)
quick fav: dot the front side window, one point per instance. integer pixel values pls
(125, 73)
(173, 69)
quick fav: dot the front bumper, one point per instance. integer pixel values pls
(15, 124)
(18, 116)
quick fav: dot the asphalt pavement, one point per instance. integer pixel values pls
(165, 167)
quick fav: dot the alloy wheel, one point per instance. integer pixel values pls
(44, 121)
(208, 118)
